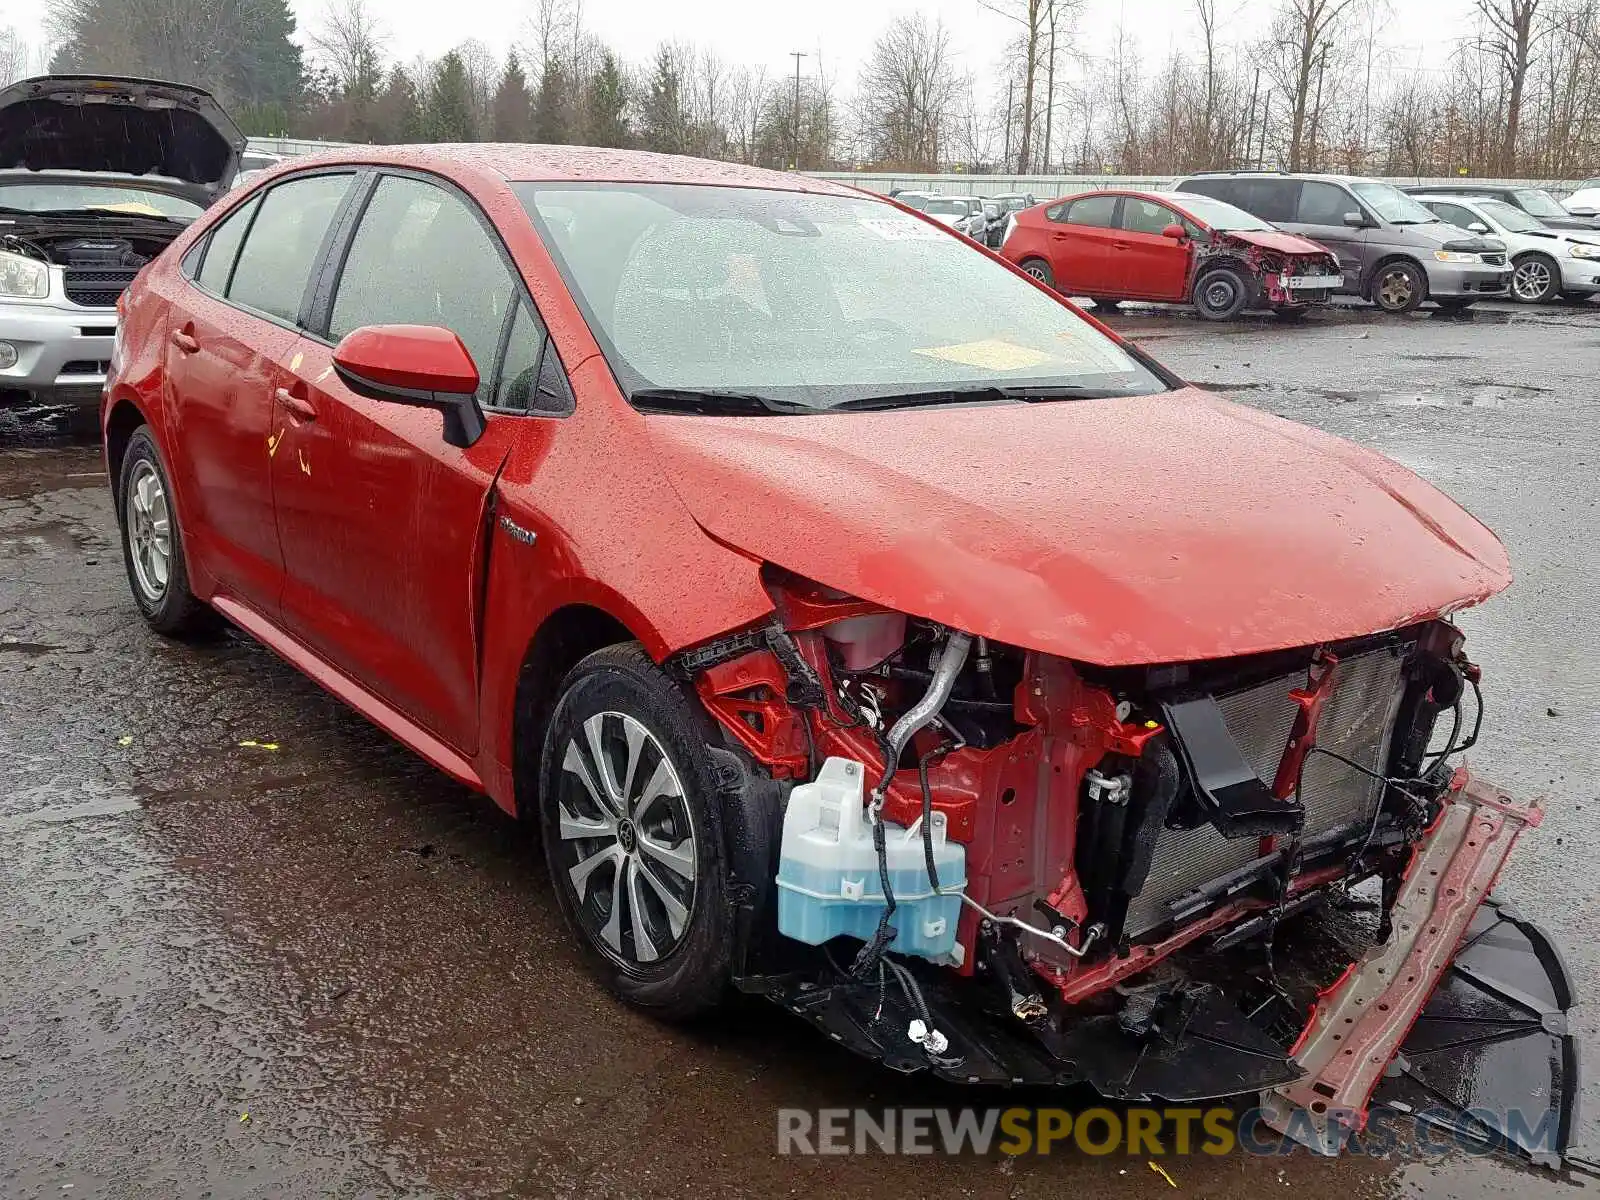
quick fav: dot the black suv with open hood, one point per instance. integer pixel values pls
(98, 174)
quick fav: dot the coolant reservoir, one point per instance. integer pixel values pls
(828, 882)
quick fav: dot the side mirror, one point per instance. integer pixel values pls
(421, 365)
(1478, 227)
(1355, 220)
(1175, 232)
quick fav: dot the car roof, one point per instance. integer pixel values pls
(517, 162)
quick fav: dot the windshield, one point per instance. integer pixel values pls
(814, 300)
(1540, 203)
(1512, 220)
(1220, 215)
(1393, 205)
(95, 197)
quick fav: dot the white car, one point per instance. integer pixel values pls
(1547, 264)
(1585, 199)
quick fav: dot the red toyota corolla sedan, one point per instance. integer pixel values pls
(1172, 247)
(935, 670)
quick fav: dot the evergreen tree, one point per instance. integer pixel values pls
(512, 111)
(398, 111)
(449, 115)
(605, 104)
(663, 118)
(552, 112)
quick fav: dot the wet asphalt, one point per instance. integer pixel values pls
(313, 966)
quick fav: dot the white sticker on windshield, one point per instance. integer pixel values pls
(902, 229)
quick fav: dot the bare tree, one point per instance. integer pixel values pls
(1509, 39)
(350, 43)
(1032, 16)
(1303, 34)
(747, 100)
(907, 93)
(483, 76)
(14, 56)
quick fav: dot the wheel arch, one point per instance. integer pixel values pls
(566, 636)
(124, 419)
(1389, 260)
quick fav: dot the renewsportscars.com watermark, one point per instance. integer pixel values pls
(1146, 1132)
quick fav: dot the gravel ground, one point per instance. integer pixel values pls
(325, 970)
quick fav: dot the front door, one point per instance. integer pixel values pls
(383, 524)
(1148, 265)
(1320, 215)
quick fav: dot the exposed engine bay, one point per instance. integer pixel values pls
(1275, 270)
(101, 253)
(1004, 867)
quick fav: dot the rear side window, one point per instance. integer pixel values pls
(1274, 200)
(284, 244)
(1323, 204)
(223, 247)
(1217, 189)
(1093, 210)
(421, 257)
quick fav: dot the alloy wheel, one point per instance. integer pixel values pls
(1036, 271)
(1395, 289)
(1531, 281)
(149, 531)
(628, 840)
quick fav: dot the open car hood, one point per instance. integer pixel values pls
(1164, 528)
(125, 126)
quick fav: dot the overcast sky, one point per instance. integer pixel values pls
(763, 32)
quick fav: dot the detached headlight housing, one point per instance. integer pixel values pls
(1584, 250)
(1457, 256)
(23, 278)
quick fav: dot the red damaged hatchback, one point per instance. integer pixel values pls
(1171, 247)
(981, 694)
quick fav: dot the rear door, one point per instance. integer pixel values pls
(1319, 214)
(1081, 234)
(384, 525)
(227, 341)
(1145, 264)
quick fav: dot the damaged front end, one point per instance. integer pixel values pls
(1288, 279)
(1006, 868)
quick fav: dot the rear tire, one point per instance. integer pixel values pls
(1040, 270)
(152, 543)
(628, 805)
(1221, 293)
(1536, 279)
(1398, 287)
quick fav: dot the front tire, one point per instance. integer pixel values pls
(152, 543)
(633, 835)
(1536, 279)
(1038, 269)
(1221, 294)
(1399, 287)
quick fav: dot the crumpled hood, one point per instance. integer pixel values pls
(125, 126)
(1273, 239)
(1163, 528)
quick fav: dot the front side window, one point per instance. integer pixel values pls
(421, 257)
(285, 242)
(1390, 203)
(814, 301)
(1146, 216)
(1322, 204)
(1100, 211)
(1453, 214)
(223, 248)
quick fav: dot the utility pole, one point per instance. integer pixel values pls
(797, 55)
(1250, 129)
(1266, 119)
(1011, 85)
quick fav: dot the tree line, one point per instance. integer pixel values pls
(1319, 89)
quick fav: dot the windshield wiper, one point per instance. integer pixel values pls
(713, 402)
(989, 394)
